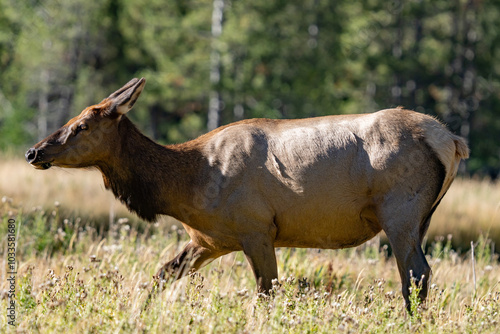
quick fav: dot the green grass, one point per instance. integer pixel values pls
(73, 278)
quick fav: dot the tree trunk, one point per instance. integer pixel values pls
(215, 103)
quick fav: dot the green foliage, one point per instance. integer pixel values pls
(484, 250)
(415, 301)
(26, 299)
(278, 59)
(44, 232)
(440, 250)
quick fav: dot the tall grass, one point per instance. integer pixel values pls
(469, 209)
(72, 279)
(79, 192)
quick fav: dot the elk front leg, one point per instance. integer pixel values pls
(259, 251)
(190, 259)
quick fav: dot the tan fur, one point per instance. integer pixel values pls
(449, 148)
(326, 182)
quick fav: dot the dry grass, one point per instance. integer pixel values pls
(470, 208)
(79, 192)
(353, 290)
(82, 190)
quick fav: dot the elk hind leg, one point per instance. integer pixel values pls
(404, 231)
(412, 265)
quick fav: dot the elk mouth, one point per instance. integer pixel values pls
(46, 165)
(42, 165)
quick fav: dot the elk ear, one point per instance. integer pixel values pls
(124, 98)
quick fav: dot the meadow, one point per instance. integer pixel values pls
(85, 266)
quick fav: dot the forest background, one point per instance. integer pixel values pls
(209, 63)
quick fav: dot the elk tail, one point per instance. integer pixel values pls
(450, 149)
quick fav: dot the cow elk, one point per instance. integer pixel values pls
(327, 182)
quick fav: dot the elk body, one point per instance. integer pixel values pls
(328, 182)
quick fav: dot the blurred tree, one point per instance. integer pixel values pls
(12, 128)
(170, 44)
(282, 59)
(425, 56)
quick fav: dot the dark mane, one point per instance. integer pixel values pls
(136, 182)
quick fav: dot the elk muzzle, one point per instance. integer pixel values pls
(34, 157)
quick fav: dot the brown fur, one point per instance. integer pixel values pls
(326, 182)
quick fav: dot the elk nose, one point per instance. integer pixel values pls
(31, 155)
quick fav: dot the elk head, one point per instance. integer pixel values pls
(89, 138)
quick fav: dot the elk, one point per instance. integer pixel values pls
(327, 182)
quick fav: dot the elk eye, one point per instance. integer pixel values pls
(81, 127)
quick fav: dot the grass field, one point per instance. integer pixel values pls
(85, 266)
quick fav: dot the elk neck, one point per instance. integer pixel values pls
(150, 179)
